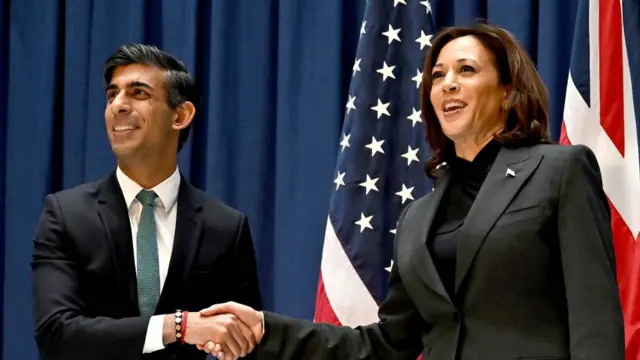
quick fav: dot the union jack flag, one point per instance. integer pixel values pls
(380, 166)
(601, 111)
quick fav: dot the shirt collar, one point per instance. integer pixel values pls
(167, 190)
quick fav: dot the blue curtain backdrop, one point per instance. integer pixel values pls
(274, 76)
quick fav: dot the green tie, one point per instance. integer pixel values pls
(148, 268)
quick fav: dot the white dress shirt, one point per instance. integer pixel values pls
(165, 211)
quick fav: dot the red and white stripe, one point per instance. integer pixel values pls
(608, 127)
(342, 297)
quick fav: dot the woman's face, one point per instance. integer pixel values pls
(466, 94)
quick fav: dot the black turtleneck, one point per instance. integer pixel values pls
(466, 179)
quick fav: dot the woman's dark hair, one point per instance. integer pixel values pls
(528, 120)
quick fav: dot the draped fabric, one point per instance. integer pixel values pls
(274, 76)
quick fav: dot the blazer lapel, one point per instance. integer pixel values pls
(185, 244)
(509, 172)
(114, 214)
(420, 257)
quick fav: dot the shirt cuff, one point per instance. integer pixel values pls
(262, 316)
(153, 341)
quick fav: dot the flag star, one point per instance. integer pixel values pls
(339, 180)
(345, 141)
(370, 184)
(418, 78)
(405, 193)
(415, 116)
(362, 28)
(364, 222)
(356, 66)
(424, 39)
(427, 5)
(351, 103)
(386, 71)
(396, 2)
(375, 146)
(392, 34)
(381, 108)
(411, 155)
(389, 267)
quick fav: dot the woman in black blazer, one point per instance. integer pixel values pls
(510, 257)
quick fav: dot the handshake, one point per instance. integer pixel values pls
(228, 331)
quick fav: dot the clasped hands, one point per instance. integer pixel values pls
(229, 331)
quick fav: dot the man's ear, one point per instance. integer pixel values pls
(184, 115)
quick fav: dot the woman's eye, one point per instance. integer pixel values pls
(467, 68)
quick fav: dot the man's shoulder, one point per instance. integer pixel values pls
(214, 207)
(77, 193)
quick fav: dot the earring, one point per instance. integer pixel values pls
(505, 106)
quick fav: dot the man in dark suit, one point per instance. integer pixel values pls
(119, 263)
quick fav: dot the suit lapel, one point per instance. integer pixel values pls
(114, 214)
(185, 244)
(509, 172)
(420, 257)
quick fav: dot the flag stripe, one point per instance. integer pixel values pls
(335, 261)
(611, 106)
(324, 312)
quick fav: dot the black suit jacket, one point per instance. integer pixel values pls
(535, 276)
(84, 279)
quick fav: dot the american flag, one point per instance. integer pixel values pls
(380, 165)
(601, 111)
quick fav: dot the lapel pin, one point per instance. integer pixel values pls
(510, 172)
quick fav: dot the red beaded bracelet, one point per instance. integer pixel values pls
(184, 325)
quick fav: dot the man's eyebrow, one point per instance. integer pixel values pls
(130, 85)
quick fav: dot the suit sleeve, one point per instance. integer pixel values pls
(247, 290)
(397, 335)
(61, 330)
(596, 329)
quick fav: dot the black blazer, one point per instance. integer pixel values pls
(535, 276)
(84, 280)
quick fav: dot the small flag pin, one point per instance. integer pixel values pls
(510, 172)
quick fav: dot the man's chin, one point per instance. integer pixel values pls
(124, 150)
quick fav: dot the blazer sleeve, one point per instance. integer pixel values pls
(397, 335)
(596, 328)
(247, 288)
(61, 330)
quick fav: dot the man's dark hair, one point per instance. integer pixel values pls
(180, 85)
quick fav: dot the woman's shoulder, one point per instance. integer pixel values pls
(569, 160)
(564, 153)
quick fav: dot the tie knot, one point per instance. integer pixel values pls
(146, 197)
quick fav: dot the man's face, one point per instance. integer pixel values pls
(137, 117)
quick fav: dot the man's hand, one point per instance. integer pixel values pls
(248, 316)
(236, 338)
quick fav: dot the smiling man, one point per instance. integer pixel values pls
(119, 264)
